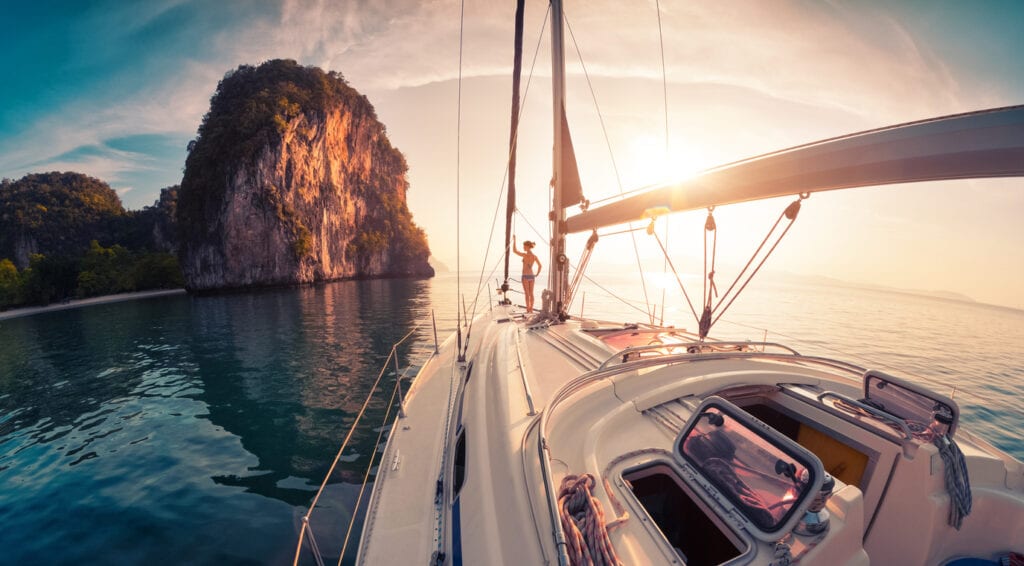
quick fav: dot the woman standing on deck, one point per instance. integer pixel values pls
(529, 275)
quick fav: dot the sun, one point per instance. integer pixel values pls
(648, 163)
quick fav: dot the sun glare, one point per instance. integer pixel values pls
(648, 163)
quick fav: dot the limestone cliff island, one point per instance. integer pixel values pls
(292, 179)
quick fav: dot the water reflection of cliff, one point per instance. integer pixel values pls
(286, 372)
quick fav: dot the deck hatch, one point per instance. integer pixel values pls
(917, 405)
(762, 477)
(689, 526)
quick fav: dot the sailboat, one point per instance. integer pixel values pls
(545, 438)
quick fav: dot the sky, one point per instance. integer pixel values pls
(117, 89)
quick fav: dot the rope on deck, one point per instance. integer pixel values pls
(583, 522)
(958, 484)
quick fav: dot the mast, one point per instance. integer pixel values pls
(558, 270)
(510, 208)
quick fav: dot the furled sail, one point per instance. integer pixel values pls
(988, 143)
(572, 189)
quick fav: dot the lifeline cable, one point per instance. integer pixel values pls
(337, 457)
(615, 167)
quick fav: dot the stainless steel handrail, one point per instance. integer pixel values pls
(306, 529)
(877, 413)
(688, 345)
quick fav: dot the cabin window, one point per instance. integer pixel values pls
(698, 536)
(459, 470)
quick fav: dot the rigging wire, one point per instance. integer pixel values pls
(676, 273)
(712, 312)
(612, 294)
(611, 157)
(664, 268)
(709, 276)
(623, 194)
(790, 213)
(508, 161)
(458, 178)
(625, 231)
(586, 277)
(664, 75)
(664, 93)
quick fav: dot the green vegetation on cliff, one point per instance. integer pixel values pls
(395, 225)
(56, 213)
(250, 111)
(101, 271)
(289, 161)
(54, 226)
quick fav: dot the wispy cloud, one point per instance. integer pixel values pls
(860, 62)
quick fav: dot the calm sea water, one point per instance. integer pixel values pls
(197, 430)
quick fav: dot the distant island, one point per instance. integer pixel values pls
(291, 180)
(438, 265)
(67, 236)
(833, 282)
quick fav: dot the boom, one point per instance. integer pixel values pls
(988, 143)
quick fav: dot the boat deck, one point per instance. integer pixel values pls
(615, 413)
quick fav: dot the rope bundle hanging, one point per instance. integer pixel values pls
(958, 484)
(583, 523)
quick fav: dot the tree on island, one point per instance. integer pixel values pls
(55, 226)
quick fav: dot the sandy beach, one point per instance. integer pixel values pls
(28, 311)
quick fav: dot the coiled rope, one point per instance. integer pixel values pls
(583, 523)
(958, 484)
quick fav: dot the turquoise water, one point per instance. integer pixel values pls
(187, 430)
(196, 430)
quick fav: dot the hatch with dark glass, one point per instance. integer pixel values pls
(750, 469)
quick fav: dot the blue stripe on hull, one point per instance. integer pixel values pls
(457, 533)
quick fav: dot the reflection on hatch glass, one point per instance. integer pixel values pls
(762, 481)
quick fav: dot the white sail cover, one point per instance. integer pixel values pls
(988, 143)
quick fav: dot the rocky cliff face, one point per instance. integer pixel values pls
(310, 188)
(163, 221)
